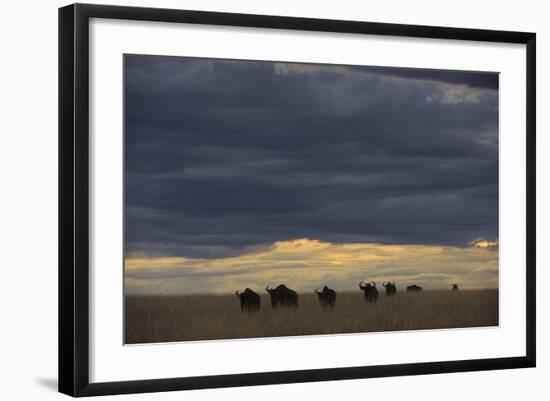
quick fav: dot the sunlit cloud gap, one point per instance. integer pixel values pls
(307, 263)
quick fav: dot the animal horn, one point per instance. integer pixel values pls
(317, 291)
(237, 292)
(373, 283)
(385, 284)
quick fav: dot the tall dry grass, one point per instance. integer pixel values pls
(206, 317)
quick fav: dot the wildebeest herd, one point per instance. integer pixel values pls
(282, 296)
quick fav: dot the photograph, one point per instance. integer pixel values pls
(270, 198)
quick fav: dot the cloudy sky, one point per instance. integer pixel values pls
(243, 173)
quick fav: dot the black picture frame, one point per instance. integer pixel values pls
(74, 191)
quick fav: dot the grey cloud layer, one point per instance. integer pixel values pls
(225, 155)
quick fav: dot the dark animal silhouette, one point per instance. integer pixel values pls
(327, 297)
(250, 300)
(455, 287)
(371, 293)
(391, 289)
(282, 296)
(413, 288)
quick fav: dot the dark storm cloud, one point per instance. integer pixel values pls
(471, 79)
(225, 155)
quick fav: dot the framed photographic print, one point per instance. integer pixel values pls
(287, 194)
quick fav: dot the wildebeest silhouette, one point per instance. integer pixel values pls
(390, 287)
(282, 296)
(250, 300)
(327, 297)
(413, 288)
(455, 287)
(371, 293)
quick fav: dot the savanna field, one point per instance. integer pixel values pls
(163, 318)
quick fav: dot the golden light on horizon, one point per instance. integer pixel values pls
(306, 263)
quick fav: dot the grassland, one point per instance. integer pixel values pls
(205, 317)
